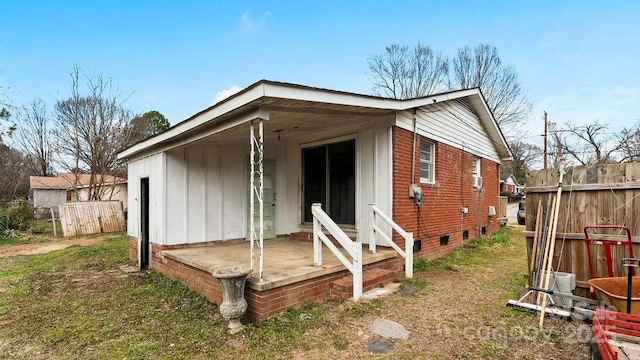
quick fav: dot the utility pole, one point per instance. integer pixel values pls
(545, 140)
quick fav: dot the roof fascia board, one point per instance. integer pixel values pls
(257, 113)
(282, 91)
(348, 99)
(215, 111)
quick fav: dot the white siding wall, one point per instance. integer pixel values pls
(453, 125)
(199, 193)
(373, 176)
(206, 194)
(112, 192)
(153, 168)
(49, 197)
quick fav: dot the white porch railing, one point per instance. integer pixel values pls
(408, 238)
(354, 248)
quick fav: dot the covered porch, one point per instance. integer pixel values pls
(290, 278)
(230, 185)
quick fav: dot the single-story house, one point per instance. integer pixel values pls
(49, 191)
(430, 164)
(508, 182)
(110, 188)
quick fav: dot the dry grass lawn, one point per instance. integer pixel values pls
(76, 303)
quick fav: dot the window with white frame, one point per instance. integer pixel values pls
(427, 161)
(477, 177)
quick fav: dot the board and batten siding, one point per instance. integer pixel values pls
(453, 124)
(151, 167)
(199, 193)
(206, 194)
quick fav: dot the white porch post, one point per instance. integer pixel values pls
(256, 191)
(372, 229)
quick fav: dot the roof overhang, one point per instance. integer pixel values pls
(265, 98)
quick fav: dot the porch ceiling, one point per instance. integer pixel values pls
(288, 119)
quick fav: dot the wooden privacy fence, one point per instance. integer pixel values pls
(503, 202)
(606, 194)
(92, 217)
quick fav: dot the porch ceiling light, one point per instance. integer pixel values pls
(278, 131)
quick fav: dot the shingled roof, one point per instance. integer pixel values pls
(66, 181)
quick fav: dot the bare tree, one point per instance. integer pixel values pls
(91, 128)
(525, 157)
(403, 73)
(590, 144)
(629, 139)
(34, 138)
(481, 67)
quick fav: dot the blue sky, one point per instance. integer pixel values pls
(576, 59)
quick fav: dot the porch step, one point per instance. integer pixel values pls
(373, 278)
(302, 236)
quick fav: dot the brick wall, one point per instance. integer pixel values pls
(260, 304)
(440, 214)
(133, 248)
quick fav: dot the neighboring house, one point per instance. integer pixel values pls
(509, 183)
(190, 186)
(48, 191)
(111, 188)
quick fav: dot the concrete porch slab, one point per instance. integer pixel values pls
(286, 261)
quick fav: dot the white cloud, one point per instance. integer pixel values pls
(246, 21)
(223, 94)
(249, 24)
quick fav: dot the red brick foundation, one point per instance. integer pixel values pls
(261, 304)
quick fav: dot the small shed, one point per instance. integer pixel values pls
(47, 191)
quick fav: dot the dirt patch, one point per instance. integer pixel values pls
(36, 249)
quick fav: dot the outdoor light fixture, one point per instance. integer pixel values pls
(278, 131)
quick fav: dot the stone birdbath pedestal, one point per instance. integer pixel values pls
(234, 306)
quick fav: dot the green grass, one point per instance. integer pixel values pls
(77, 304)
(473, 252)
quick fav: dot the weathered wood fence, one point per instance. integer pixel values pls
(598, 195)
(93, 217)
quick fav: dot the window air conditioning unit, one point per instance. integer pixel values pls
(477, 181)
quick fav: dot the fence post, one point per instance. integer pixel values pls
(53, 221)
